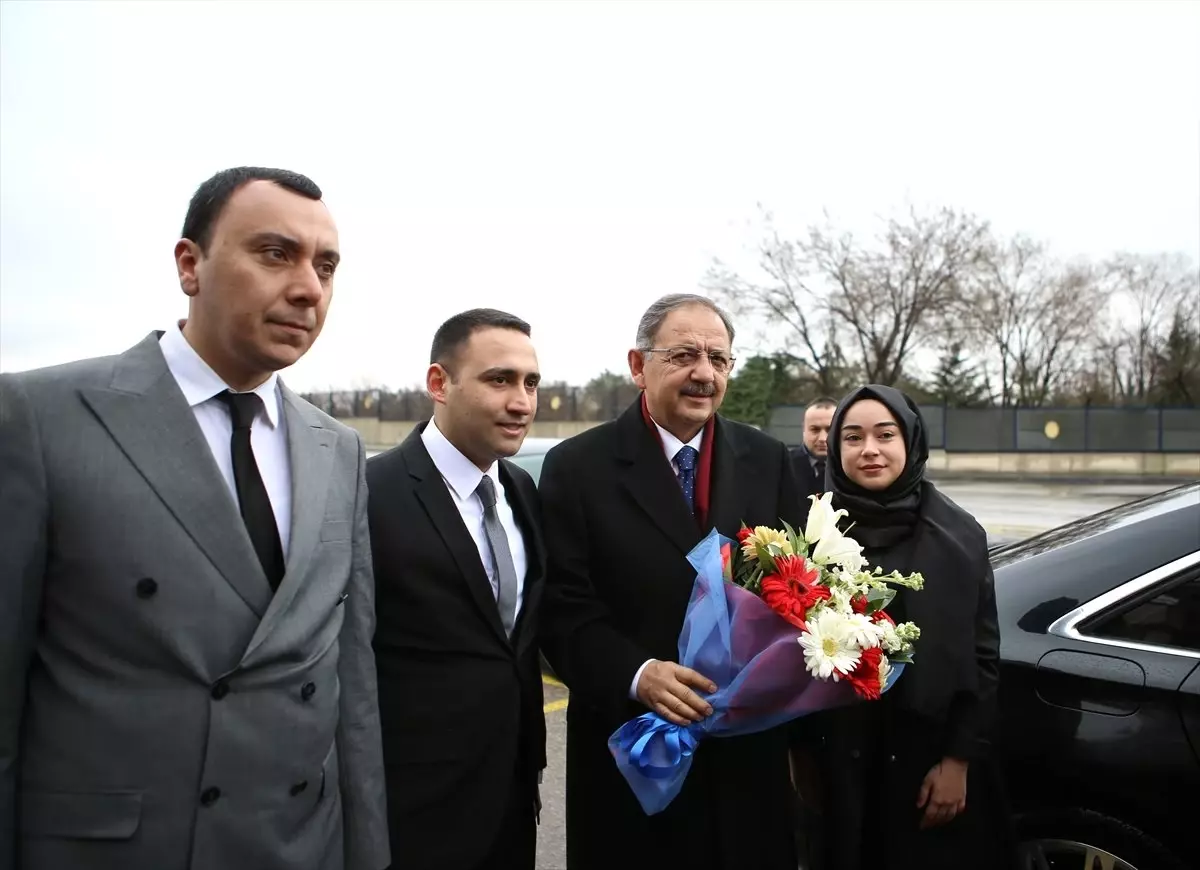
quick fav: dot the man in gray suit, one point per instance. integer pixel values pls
(186, 601)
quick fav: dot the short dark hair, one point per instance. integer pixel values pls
(455, 332)
(821, 402)
(211, 197)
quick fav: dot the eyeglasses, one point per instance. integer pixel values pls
(686, 357)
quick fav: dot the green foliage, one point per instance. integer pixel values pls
(956, 381)
(757, 384)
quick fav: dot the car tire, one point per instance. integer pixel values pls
(1094, 829)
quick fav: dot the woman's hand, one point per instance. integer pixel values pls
(944, 792)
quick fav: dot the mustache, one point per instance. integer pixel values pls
(704, 391)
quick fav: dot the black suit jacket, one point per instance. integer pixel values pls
(461, 705)
(806, 478)
(618, 533)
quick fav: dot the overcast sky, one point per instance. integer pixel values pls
(569, 162)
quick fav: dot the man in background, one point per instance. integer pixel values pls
(808, 460)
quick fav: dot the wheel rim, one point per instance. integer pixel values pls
(1068, 855)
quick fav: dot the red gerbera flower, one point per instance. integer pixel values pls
(865, 676)
(793, 589)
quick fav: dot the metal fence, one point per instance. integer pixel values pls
(1051, 430)
(556, 402)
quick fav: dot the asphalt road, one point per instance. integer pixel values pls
(1010, 509)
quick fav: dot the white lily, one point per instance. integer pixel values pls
(836, 548)
(822, 518)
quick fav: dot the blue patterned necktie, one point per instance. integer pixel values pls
(686, 460)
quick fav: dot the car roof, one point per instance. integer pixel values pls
(1078, 561)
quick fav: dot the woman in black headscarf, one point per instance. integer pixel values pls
(909, 781)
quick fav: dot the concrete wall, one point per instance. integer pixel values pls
(380, 435)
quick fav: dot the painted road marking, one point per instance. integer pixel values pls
(554, 706)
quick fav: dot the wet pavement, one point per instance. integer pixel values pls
(1023, 509)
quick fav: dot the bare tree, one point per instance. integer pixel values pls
(995, 305)
(895, 295)
(786, 302)
(888, 297)
(1146, 294)
(1033, 318)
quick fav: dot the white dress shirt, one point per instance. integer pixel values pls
(671, 446)
(462, 477)
(268, 434)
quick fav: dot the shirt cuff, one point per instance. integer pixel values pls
(636, 677)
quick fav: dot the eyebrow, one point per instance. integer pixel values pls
(876, 426)
(498, 371)
(292, 246)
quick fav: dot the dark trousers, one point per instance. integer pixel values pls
(515, 847)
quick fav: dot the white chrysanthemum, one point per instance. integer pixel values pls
(862, 631)
(885, 670)
(828, 650)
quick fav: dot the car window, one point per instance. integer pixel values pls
(531, 462)
(1167, 616)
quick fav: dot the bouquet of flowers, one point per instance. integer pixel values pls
(819, 582)
(786, 624)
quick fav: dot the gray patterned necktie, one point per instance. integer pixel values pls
(506, 573)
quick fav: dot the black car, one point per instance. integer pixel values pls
(1100, 687)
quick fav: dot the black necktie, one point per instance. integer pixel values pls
(252, 494)
(819, 471)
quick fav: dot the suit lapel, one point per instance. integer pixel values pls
(535, 551)
(434, 496)
(310, 455)
(146, 414)
(727, 499)
(647, 474)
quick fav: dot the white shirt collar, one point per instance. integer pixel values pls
(200, 383)
(672, 445)
(461, 474)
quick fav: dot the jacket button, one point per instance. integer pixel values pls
(298, 787)
(210, 796)
(307, 691)
(220, 690)
(146, 587)
(854, 753)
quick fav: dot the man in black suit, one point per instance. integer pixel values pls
(624, 503)
(808, 460)
(459, 567)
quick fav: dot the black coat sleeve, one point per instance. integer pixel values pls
(972, 714)
(578, 638)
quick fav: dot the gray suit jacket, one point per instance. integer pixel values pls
(159, 708)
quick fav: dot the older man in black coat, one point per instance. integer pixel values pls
(624, 503)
